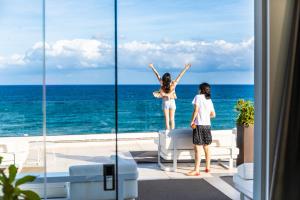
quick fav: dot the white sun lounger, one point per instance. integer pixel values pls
(57, 184)
(86, 182)
(178, 145)
(14, 152)
(94, 189)
(243, 180)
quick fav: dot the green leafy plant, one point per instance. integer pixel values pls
(11, 187)
(245, 111)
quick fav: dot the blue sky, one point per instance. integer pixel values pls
(216, 36)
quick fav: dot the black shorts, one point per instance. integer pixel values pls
(202, 135)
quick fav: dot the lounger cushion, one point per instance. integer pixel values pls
(221, 138)
(125, 166)
(216, 153)
(94, 190)
(54, 190)
(180, 142)
(243, 185)
(245, 171)
(90, 190)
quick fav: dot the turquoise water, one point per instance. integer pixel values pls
(86, 109)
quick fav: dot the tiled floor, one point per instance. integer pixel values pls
(61, 155)
(152, 171)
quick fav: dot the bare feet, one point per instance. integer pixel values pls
(193, 173)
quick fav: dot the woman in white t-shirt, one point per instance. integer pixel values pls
(201, 125)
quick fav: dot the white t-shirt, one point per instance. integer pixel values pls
(205, 108)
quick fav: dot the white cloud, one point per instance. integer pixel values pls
(204, 56)
(69, 54)
(90, 54)
(13, 60)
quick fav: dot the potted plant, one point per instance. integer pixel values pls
(11, 187)
(245, 131)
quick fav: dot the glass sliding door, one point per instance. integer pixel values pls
(80, 63)
(21, 75)
(157, 40)
(64, 98)
(20, 80)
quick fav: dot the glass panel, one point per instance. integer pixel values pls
(80, 95)
(21, 70)
(175, 33)
(217, 39)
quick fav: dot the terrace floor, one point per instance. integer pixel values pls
(64, 151)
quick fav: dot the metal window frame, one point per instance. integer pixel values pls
(262, 106)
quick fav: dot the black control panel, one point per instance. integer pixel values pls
(109, 177)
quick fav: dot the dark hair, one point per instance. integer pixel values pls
(205, 89)
(166, 82)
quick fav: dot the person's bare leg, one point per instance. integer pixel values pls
(172, 118)
(167, 121)
(196, 170)
(197, 158)
(207, 156)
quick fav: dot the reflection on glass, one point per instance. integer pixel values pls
(80, 94)
(172, 34)
(21, 69)
(216, 38)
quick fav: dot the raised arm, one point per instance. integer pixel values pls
(186, 67)
(155, 72)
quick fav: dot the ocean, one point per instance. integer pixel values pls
(90, 109)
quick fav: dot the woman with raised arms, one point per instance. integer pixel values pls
(168, 95)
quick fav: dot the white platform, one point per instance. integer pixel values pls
(178, 145)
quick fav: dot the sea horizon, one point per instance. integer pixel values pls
(114, 84)
(90, 108)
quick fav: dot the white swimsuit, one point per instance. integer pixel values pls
(168, 104)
